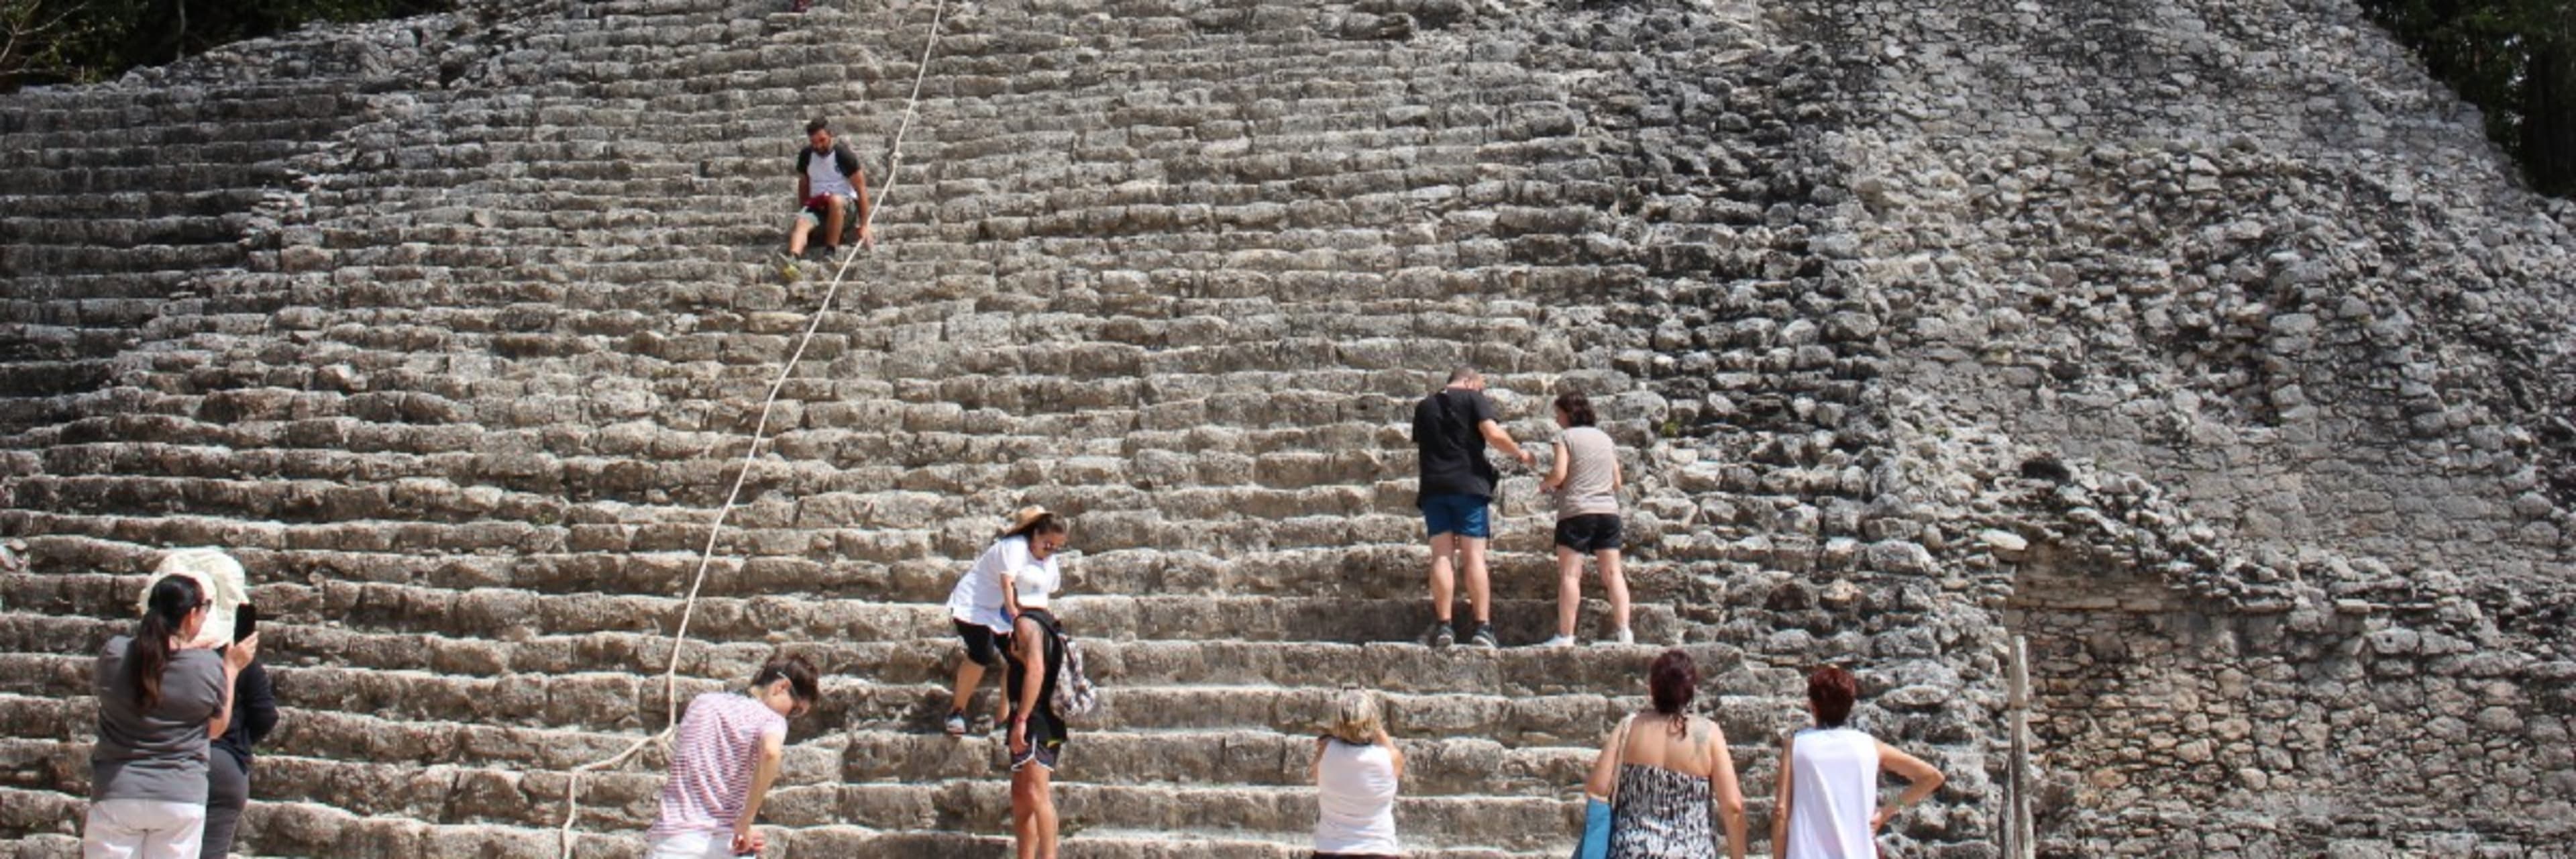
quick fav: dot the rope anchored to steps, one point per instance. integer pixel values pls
(751, 457)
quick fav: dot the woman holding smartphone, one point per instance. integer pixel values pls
(162, 693)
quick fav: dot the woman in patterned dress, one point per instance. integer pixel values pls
(1663, 768)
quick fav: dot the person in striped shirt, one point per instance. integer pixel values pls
(723, 757)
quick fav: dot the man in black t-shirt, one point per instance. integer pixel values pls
(1450, 430)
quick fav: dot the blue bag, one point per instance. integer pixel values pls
(1596, 811)
(1596, 830)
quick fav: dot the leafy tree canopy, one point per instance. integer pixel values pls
(2515, 60)
(49, 41)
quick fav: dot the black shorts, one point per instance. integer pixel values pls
(1591, 532)
(983, 645)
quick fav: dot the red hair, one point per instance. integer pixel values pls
(1832, 690)
(1672, 683)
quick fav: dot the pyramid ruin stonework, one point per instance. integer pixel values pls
(2205, 346)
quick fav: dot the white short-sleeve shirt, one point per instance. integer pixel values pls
(977, 598)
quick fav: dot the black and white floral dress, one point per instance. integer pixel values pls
(1661, 814)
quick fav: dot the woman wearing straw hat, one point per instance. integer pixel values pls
(985, 600)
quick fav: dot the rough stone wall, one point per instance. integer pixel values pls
(2290, 368)
(2204, 344)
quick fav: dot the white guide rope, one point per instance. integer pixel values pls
(751, 457)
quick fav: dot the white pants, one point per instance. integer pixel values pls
(143, 829)
(691, 845)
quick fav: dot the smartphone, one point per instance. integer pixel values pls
(245, 621)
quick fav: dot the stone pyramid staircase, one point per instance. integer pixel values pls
(459, 346)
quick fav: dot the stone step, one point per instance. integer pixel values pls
(871, 732)
(301, 828)
(626, 800)
(914, 567)
(512, 619)
(632, 701)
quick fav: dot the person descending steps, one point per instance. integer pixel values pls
(982, 604)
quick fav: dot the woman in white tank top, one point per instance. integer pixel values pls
(1355, 771)
(1828, 802)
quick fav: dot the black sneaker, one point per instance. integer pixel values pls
(1484, 636)
(1439, 635)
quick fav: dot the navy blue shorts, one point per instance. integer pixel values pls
(1044, 753)
(1463, 515)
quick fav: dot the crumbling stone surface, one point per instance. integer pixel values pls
(2206, 345)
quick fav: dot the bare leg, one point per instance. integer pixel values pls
(1444, 581)
(969, 673)
(1569, 589)
(1615, 581)
(1480, 590)
(1024, 815)
(1043, 786)
(796, 236)
(834, 216)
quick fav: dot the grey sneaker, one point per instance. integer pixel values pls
(1559, 641)
(1484, 636)
(1440, 635)
(956, 726)
(786, 264)
(1626, 637)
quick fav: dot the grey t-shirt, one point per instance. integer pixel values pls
(1592, 462)
(160, 755)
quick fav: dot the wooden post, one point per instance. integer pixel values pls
(2018, 830)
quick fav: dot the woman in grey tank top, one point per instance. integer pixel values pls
(1584, 476)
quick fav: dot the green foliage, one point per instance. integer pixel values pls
(89, 40)
(2515, 60)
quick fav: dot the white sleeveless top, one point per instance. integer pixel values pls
(1833, 794)
(1355, 801)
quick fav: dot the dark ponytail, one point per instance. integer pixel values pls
(173, 598)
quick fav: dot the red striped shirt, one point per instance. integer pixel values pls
(712, 760)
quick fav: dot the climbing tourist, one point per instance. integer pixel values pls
(1037, 733)
(1355, 770)
(724, 754)
(162, 693)
(831, 194)
(1584, 476)
(1450, 430)
(1660, 769)
(980, 606)
(1827, 806)
(228, 769)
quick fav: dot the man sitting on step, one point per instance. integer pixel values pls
(724, 754)
(832, 191)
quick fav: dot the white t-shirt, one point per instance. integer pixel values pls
(1833, 795)
(977, 598)
(823, 174)
(1355, 800)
